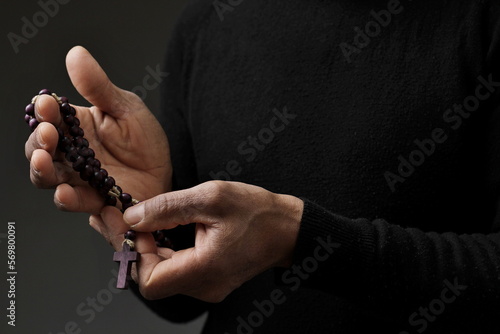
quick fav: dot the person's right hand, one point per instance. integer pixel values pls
(126, 138)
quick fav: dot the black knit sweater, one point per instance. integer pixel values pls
(383, 116)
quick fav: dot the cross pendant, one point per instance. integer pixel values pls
(125, 257)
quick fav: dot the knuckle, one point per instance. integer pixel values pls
(214, 187)
(157, 205)
(213, 192)
(212, 197)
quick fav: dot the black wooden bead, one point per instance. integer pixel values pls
(60, 132)
(125, 206)
(76, 131)
(33, 123)
(159, 235)
(125, 198)
(87, 173)
(65, 108)
(70, 120)
(72, 155)
(130, 235)
(79, 164)
(110, 200)
(30, 109)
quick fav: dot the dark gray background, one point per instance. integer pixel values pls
(61, 261)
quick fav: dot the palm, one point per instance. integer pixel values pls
(133, 150)
(127, 140)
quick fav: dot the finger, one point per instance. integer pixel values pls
(200, 204)
(79, 198)
(148, 269)
(151, 255)
(112, 227)
(116, 227)
(97, 224)
(164, 211)
(45, 173)
(92, 83)
(45, 137)
(177, 274)
(47, 110)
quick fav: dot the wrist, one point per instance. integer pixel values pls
(291, 209)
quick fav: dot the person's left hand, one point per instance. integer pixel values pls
(241, 231)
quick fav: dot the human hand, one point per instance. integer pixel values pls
(125, 136)
(241, 231)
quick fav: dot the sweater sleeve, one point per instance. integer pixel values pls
(383, 265)
(394, 267)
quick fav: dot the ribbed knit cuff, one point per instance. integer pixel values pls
(353, 236)
(342, 247)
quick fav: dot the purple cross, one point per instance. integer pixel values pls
(125, 257)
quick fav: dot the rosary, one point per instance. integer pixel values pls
(82, 158)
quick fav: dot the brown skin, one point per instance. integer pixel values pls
(119, 127)
(241, 230)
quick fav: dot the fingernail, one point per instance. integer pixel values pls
(94, 226)
(134, 215)
(35, 170)
(37, 114)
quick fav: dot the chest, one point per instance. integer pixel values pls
(376, 135)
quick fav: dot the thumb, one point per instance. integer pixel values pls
(92, 83)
